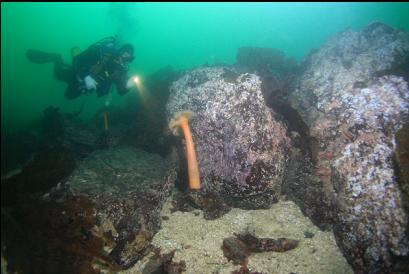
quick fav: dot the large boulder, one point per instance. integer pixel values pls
(241, 146)
(105, 214)
(128, 187)
(354, 97)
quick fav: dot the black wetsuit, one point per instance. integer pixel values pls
(100, 62)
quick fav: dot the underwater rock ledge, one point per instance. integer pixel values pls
(354, 111)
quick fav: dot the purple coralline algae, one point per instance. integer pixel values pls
(354, 103)
(241, 147)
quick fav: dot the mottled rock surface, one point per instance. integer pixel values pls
(103, 216)
(128, 187)
(402, 160)
(354, 104)
(241, 147)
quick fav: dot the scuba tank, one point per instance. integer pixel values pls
(107, 45)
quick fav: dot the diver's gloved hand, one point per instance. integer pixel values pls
(90, 82)
(130, 83)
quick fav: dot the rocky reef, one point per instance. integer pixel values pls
(337, 162)
(354, 98)
(128, 187)
(90, 197)
(241, 147)
(105, 213)
(402, 161)
(330, 134)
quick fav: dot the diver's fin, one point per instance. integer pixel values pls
(41, 57)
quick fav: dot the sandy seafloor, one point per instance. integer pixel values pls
(198, 241)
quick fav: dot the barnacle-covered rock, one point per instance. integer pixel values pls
(106, 212)
(241, 147)
(402, 159)
(128, 187)
(355, 100)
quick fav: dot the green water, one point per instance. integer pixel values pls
(183, 35)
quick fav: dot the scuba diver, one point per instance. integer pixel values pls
(97, 68)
